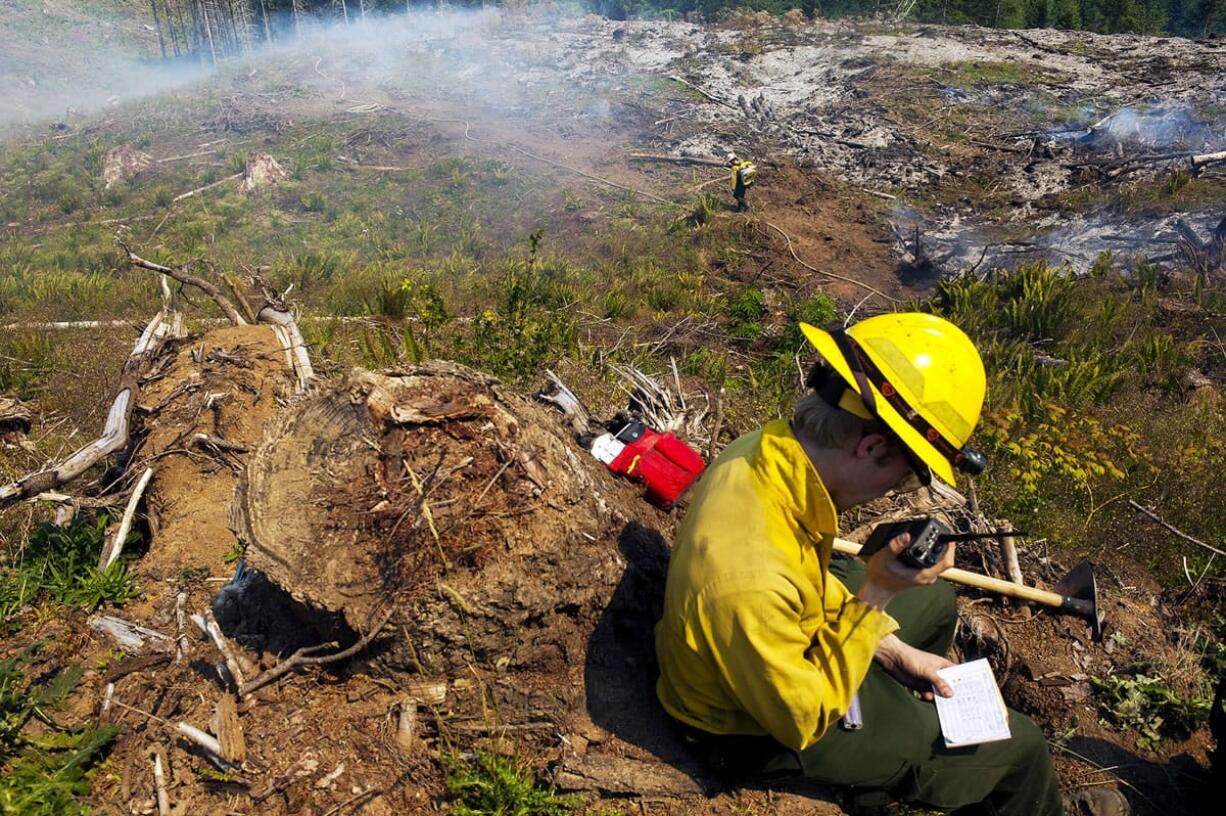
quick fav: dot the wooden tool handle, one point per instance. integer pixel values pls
(974, 579)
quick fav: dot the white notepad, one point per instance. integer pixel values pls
(976, 713)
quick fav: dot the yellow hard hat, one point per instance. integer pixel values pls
(925, 381)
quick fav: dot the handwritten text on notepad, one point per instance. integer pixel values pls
(976, 713)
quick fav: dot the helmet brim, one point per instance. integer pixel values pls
(824, 344)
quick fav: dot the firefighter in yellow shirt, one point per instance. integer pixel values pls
(743, 174)
(765, 642)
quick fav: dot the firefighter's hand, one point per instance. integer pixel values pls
(887, 576)
(914, 668)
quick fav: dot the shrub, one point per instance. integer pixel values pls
(486, 784)
(745, 314)
(704, 208)
(314, 202)
(60, 564)
(1036, 299)
(1161, 361)
(43, 775)
(531, 322)
(1140, 699)
(614, 304)
(1060, 446)
(816, 310)
(308, 268)
(391, 300)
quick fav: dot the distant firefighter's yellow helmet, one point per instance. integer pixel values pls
(924, 379)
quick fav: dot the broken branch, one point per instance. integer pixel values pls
(159, 780)
(191, 193)
(190, 280)
(303, 657)
(1174, 529)
(694, 87)
(677, 159)
(109, 554)
(226, 649)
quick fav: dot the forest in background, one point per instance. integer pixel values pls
(208, 28)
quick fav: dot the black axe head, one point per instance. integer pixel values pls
(1079, 591)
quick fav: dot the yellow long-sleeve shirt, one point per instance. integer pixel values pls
(757, 636)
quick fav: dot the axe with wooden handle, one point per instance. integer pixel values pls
(1076, 593)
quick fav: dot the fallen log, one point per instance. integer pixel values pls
(115, 431)
(1116, 168)
(65, 325)
(1205, 159)
(677, 159)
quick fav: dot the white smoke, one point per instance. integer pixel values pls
(1161, 126)
(58, 79)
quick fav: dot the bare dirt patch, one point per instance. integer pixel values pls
(223, 385)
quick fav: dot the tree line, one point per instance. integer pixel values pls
(209, 29)
(1185, 18)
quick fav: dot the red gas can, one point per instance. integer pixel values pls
(665, 464)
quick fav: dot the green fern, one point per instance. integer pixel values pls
(43, 774)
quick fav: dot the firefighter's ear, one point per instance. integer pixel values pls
(875, 446)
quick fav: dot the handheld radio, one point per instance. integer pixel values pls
(929, 540)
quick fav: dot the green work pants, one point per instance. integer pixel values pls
(739, 194)
(899, 751)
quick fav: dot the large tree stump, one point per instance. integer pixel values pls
(466, 506)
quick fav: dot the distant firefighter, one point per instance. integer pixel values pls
(743, 173)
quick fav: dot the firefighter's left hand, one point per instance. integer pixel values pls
(914, 668)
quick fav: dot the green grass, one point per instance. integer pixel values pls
(59, 564)
(972, 73)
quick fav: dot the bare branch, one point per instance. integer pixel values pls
(303, 657)
(190, 280)
(1175, 530)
